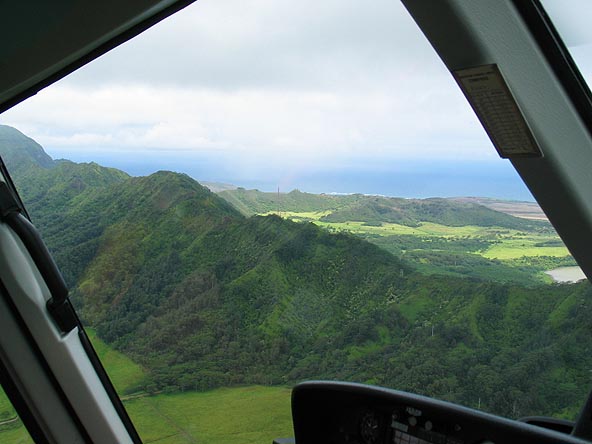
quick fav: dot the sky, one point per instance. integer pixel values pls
(333, 96)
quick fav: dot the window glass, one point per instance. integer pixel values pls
(570, 20)
(356, 223)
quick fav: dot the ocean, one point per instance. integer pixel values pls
(495, 178)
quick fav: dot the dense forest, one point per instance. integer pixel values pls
(203, 296)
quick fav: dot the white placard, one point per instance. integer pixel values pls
(491, 99)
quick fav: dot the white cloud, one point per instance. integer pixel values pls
(309, 124)
(283, 82)
(233, 44)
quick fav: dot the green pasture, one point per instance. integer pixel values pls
(16, 434)
(505, 244)
(520, 247)
(425, 229)
(6, 410)
(240, 415)
(12, 430)
(305, 216)
(226, 415)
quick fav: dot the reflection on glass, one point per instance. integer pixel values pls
(572, 20)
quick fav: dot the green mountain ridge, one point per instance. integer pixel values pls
(202, 296)
(376, 210)
(412, 212)
(21, 151)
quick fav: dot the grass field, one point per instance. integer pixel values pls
(6, 410)
(504, 243)
(227, 415)
(516, 248)
(300, 217)
(426, 229)
(11, 431)
(15, 435)
(239, 415)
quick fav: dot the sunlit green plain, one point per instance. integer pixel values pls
(509, 244)
(229, 415)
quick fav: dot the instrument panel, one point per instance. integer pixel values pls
(344, 413)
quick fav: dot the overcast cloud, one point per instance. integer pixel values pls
(322, 83)
(266, 44)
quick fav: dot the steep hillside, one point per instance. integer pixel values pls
(63, 183)
(152, 232)
(22, 152)
(52, 190)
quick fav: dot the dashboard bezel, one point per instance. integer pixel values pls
(330, 412)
